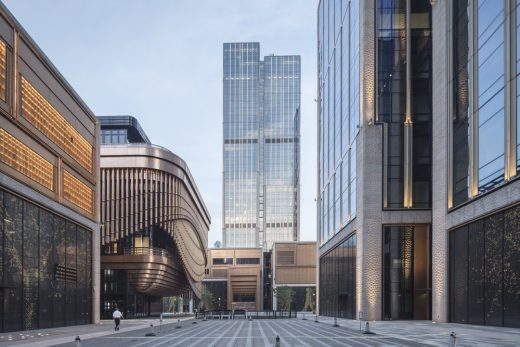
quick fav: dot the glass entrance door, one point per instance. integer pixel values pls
(407, 272)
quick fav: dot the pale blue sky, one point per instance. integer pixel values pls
(161, 61)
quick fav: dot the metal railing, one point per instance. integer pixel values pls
(228, 314)
(146, 251)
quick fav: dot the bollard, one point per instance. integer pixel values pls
(160, 324)
(152, 331)
(204, 319)
(304, 316)
(453, 339)
(335, 323)
(277, 341)
(78, 341)
(367, 329)
(316, 319)
(178, 324)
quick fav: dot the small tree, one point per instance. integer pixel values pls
(284, 296)
(169, 303)
(206, 301)
(310, 300)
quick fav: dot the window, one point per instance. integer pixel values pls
(248, 261)
(3, 71)
(222, 261)
(491, 97)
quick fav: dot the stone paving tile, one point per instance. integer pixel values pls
(298, 332)
(254, 333)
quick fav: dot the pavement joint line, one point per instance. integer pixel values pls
(52, 340)
(184, 334)
(316, 331)
(221, 335)
(296, 338)
(256, 337)
(230, 344)
(249, 341)
(264, 337)
(345, 331)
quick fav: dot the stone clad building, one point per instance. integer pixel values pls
(418, 196)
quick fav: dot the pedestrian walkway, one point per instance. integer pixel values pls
(292, 332)
(55, 336)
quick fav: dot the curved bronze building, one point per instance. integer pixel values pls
(154, 222)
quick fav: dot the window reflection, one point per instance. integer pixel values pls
(35, 244)
(491, 101)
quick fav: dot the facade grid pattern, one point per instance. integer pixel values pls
(261, 147)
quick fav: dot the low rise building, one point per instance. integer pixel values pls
(234, 278)
(293, 265)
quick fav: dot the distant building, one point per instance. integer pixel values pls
(234, 278)
(293, 265)
(154, 223)
(244, 278)
(49, 169)
(261, 147)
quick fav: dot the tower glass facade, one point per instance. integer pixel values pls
(339, 83)
(261, 147)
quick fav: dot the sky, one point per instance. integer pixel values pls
(161, 61)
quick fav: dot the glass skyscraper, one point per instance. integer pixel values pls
(261, 147)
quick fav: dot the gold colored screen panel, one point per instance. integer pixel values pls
(44, 117)
(3, 70)
(26, 161)
(77, 192)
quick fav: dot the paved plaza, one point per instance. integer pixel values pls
(292, 332)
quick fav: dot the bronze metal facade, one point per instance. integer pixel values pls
(48, 179)
(154, 221)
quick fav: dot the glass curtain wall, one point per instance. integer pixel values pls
(393, 93)
(461, 106)
(281, 103)
(406, 272)
(485, 271)
(338, 280)
(391, 90)
(480, 96)
(338, 66)
(45, 271)
(241, 132)
(490, 93)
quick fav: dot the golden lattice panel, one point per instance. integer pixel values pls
(3, 71)
(44, 117)
(23, 159)
(77, 192)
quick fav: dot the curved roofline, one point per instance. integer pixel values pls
(157, 152)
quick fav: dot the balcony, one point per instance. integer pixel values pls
(150, 270)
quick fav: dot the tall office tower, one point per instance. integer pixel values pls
(419, 211)
(261, 147)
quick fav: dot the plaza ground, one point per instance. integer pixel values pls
(292, 332)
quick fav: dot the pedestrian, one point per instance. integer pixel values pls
(117, 315)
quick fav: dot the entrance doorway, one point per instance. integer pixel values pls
(407, 272)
